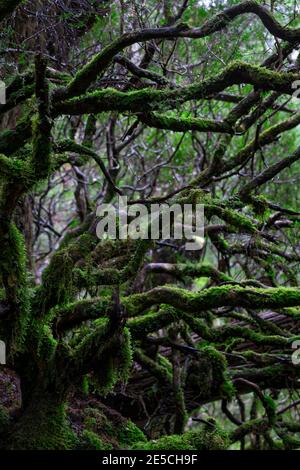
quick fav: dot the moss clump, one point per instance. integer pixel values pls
(220, 372)
(211, 438)
(270, 407)
(184, 124)
(13, 169)
(85, 385)
(11, 140)
(89, 440)
(232, 217)
(260, 206)
(209, 374)
(45, 342)
(41, 146)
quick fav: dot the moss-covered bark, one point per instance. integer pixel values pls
(43, 425)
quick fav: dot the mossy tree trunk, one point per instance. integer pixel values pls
(89, 319)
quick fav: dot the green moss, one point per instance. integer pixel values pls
(91, 441)
(41, 147)
(56, 287)
(210, 374)
(115, 364)
(129, 434)
(72, 314)
(213, 437)
(165, 363)
(152, 321)
(42, 427)
(14, 276)
(260, 206)
(270, 407)
(222, 244)
(114, 431)
(232, 217)
(57, 281)
(112, 276)
(213, 297)
(7, 7)
(125, 356)
(227, 388)
(85, 385)
(15, 169)
(151, 100)
(162, 373)
(87, 279)
(11, 140)
(207, 439)
(290, 441)
(45, 344)
(175, 442)
(257, 426)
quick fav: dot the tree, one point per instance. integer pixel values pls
(149, 104)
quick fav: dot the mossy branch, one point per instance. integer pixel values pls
(265, 138)
(11, 140)
(183, 124)
(89, 73)
(163, 375)
(183, 270)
